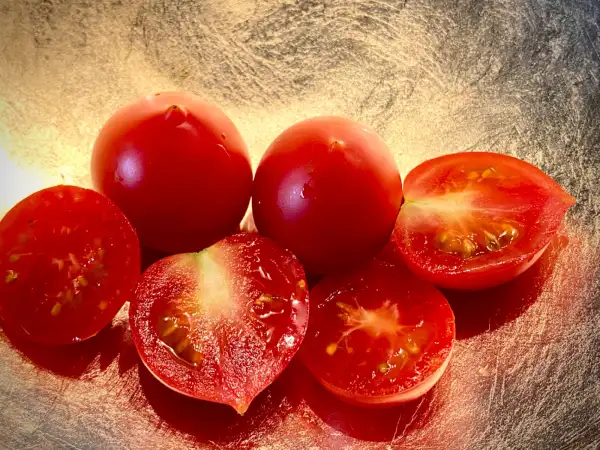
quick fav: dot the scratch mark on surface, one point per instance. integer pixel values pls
(494, 383)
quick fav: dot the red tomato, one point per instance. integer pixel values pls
(221, 325)
(70, 260)
(329, 190)
(378, 335)
(177, 167)
(476, 220)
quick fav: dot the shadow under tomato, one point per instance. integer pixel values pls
(482, 311)
(84, 359)
(206, 422)
(150, 256)
(382, 424)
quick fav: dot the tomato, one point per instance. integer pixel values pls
(329, 190)
(378, 335)
(476, 220)
(177, 167)
(69, 261)
(221, 325)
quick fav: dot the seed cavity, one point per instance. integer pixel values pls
(467, 243)
(173, 330)
(481, 175)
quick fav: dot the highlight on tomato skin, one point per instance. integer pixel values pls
(328, 189)
(69, 261)
(478, 219)
(378, 336)
(177, 167)
(222, 324)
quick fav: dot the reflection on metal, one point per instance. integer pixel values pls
(513, 76)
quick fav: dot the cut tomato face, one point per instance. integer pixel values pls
(221, 325)
(379, 335)
(476, 220)
(69, 261)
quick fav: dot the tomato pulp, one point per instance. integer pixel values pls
(329, 190)
(476, 220)
(378, 335)
(177, 167)
(69, 261)
(221, 325)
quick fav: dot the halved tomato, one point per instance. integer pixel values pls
(69, 261)
(378, 335)
(476, 220)
(220, 325)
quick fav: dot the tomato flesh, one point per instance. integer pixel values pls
(378, 335)
(177, 167)
(221, 325)
(329, 190)
(69, 261)
(476, 220)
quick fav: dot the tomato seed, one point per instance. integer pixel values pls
(14, 258)
(103, 305)
(74, 261)
(55, 311)
(82, 281)
(411, 346)
(59, 262)
(383, 367)
(11, 276)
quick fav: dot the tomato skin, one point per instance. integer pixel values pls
(247, 304)
(329, 190)
(349, 370)
(525, 194)
(177, 167)
(70, 260)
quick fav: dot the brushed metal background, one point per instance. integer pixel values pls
(513, 76)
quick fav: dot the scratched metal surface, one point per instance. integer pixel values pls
(513, 76)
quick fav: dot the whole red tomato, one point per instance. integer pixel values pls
(177, 167)
(329, 190)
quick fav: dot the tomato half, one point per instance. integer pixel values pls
(221, 325)
(69, 261)
(378, 335)
(476, 220)
(329, 190)
(177, 167)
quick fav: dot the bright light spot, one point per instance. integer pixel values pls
(16, 183)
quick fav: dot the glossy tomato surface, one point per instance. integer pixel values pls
(69, 261)
(378, 335)
(476, 220)
(221, 325)
(177, 167)
(329, 190)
